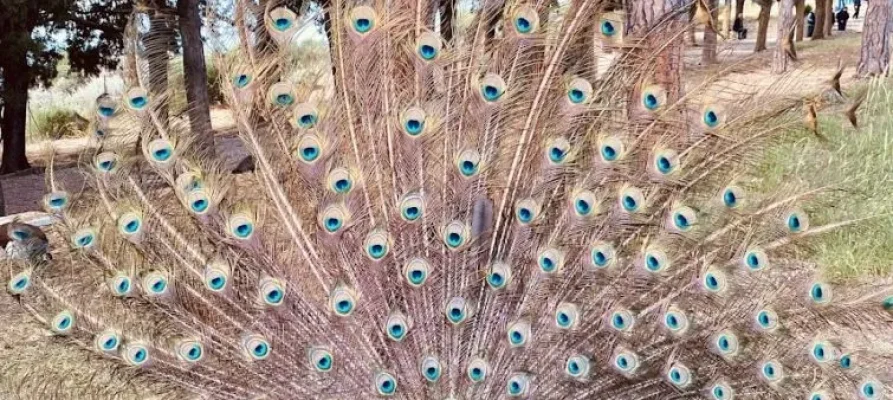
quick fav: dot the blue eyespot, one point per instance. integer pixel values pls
(362, 25)
(344, 306)
(243, 230)
(85, 240)
(794, 223)
(887, 304)
(721, 391)
(771, 371)
(397, 327)
(427, 52)
(241, 81)
(820, 293)
(110, 344)
(431, 369)
(106, 111)
(162, 154)
(324, 363)
(132, 226)
(284, 99)
(870, 390)
(630, 203)
(556, 154)
(200, 205)
(282, 24)
(767, 320)
(309, 153)
(712, 282)
(217, 282)
(846, 361)
(342, 185)
(414, 126)
(664, 165)
(650, 101)
(386, 384)
(546, 264)
(524, 215)
(376, 250)
(622, 320)
(626, 362)
(416, 271)
(523, 25)
(261, 349)
(333, 224)
(609, 153)
(491, 93)
(307, 121)
(139, 102)
(608, 29)
(711, 119)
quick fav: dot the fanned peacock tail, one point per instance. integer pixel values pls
(500, 215)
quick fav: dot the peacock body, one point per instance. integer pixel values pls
(501, 215)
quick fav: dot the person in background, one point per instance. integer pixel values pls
(738, 27)
(810, 21)
(857, 4)
(842, 17)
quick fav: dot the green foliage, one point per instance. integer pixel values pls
(56, 124)
(858, 166)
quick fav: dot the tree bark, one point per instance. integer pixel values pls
(195, 75)
(16, 78)
(644, 17)
(874, 58)
(157, 44)
(785, 24)
(447, 19)
(821, 13)
(691, 39)
(739, 7)
(829, 18)
(708, 53)
(799, 18)
(763, 28)
(727, 26)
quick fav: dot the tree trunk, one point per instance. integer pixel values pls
(727, 27)
(821, 13)
(739, 8)
(16, 78)
(643, 18)
(874, 58)
(799, 18)
(829, 18)
(785, 24)
(763, 28)
(447, 20)
(195, 76)
(708, 54)
(690, 38)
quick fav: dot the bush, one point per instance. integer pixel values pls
(56, 124)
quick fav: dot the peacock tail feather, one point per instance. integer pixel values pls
(541, 212)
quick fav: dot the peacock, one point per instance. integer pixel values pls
(537, 207)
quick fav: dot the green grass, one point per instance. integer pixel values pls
(56, 123)
(858, 164)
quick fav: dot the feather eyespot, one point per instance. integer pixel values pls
(721, 391)
(84, 238)
(19, 283)
(755, 259)
(272, 291)
(550, 260)
(413, 121)
(106, 162)
(679, 375)
(631, 199)
(343, 301)
(137, 99)
(428, 46)
(499, 276)
(363, 20)
(321, 359)
(56, 201)
(340, 180)
(377, 245)
(527, 211)
(655, 260)
(625, 361)
(822, 352)
(577, 366)
(63, 323)
(567, 316)
(305, 116)
(477, 370)
(622, 320)
(796, 221)
(136, 354)
(156, 284)
(190, 350)
(468, 163)
(385, 384)
(106, 107)
(820, 293)
(772, 372)
(601, 255)
(518, 385)
(676, 321)
(397, 327)
(558, 151)
(767, 320)
(256, 347)
(610, 149)
(871, 390)
(525, 20)
(455, 235)
(416, 272)
(457, 310)
(492, 88)
(431, 368)
(412, 207)
(653, 98)
(726, 344)
(241, 226)
(161, 152)
(281, 95)
(732, 197)
(309, 149)
(216, 276)
(579, 91)
(121, 285)
(107, 342)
